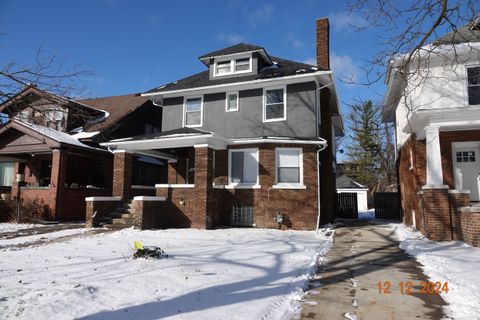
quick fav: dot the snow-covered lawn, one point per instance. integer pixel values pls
(216, 274)
(455, 262)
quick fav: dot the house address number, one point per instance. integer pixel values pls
(410, 287)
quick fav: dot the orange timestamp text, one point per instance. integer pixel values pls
(411, 287)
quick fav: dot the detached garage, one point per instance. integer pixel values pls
(348, 185)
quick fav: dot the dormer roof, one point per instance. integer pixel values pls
(235, 49)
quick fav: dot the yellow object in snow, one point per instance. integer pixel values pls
(137, 245)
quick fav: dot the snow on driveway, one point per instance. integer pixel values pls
(209, 274)
(10, 227)
(453, 261)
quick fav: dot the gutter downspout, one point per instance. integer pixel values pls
(318, 184)
(317, 113)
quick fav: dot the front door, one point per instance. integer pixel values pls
(466, 167)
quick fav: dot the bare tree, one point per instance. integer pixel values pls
(407, 27)
(46, 72)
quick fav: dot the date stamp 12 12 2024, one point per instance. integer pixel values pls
(413, 287)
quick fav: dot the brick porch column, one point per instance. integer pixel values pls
(57, 180)
(122, 174)
(434, 157)
(204, 202)
(436, 210)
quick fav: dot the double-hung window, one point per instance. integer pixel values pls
(243, 167)
(473, 75)
(289, 167)
(242, 65)
(193, 112)
(232, 102)
(224, 67)
(274, 105)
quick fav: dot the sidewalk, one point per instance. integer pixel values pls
(346, 286)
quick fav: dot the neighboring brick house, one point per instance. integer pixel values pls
(50, 159)
(434, 100)
(243, 140)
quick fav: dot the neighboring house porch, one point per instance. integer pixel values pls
(50, 173)
(214, 181)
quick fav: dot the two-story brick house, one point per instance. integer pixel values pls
(433, 98)
(248, 140)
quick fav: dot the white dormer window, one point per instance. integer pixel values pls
(224, 67)
(242, 65)
(232, 66)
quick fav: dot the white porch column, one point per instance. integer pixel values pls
(434, 157)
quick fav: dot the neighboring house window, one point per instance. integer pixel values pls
(473, 74)
(232, 102)
(150, 128)
(224, 67)
(193, 112)
(6, 173)
(274, 105)
(232, 66)
(243, 167)
(289, 166)
(242, 65)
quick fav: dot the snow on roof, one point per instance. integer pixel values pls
(58, 136)
(85, 135)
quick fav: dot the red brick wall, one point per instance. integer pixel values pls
(469, 227)
(298, 206)
(411, 180)
(175, 214)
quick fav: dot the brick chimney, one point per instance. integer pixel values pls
(323, 43)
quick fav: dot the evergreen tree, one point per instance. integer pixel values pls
(365, 143)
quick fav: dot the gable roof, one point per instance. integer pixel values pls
(58, 138)
(280, 68)
(344, 182)
(468, 33)
(117, 108)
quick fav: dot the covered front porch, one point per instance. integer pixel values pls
(445, 161)
(51, 174)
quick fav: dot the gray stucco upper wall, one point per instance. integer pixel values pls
(248, 120)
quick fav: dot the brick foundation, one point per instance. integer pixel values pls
(148, 214)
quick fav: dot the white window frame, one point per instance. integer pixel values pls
(185, 111)
(233, 60)
(226, 101)
(264, 108)
(233, 185)
(289, 185)
(468, 66)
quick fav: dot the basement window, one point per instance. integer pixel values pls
(473, 75)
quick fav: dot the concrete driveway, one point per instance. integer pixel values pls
(346, 285)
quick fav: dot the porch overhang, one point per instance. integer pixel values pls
(174, 141)
(453, 119)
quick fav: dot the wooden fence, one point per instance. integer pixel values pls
(387, 205)
(347, 206)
